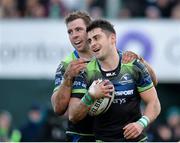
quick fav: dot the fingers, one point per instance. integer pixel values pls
(132, 130)
(129, 132)
(128, 56)
(75, 67)
(106, 88)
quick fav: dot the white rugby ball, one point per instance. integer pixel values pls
(101, 105)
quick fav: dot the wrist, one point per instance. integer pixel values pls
(144, 121)
(87, 99)
(67, 81)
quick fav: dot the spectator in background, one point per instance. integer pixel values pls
(152, 12)
(173, 122)
(55, 128)
(96, 12)
(8, 9)
(175, 13)
(134, 8)
(74, 5)
(98, 6)
(124, 13)
(33, 130)
(34, 9)
(163, 6)
(56, 9)
(168, 131)
(7, 132)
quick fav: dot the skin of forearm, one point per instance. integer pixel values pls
(77, 110)
(60, 99)
(152, 110)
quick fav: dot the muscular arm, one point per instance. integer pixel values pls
(152, 110)
(77, 110)
(153, 106)
(60, 98)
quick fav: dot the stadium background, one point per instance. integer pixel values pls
(33, 40)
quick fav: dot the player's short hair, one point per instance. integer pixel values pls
(103, 24)
(76, 15)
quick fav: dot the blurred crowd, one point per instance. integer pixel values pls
(152, 9)
(40, 124)
(43, 125)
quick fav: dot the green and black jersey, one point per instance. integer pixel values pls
(85, 126)
(129, 80)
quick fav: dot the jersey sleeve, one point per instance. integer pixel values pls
(79, 87)
(142, 76)
(59, 76)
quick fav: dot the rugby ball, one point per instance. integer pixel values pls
(101, 105)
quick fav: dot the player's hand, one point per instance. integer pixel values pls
(129, 56)
(74, 68)
(132, 130)
(101, 89)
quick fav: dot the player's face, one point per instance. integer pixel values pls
(99, 43)
(77, 34)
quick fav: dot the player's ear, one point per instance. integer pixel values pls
(113, 38)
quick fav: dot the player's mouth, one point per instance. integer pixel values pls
(77, 43)
(95, 50)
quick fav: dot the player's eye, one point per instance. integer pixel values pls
(70, 32)
(89, 41)
(78, 29)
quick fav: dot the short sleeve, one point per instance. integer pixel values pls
(142, 76)
(59, 76)
(79, 87)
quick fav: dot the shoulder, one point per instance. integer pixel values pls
(70, 58)
(134, 65)
(65, 62)
(92, 66)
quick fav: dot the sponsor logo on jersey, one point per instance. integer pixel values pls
(110, 74)
(126, 78)
(79, 84)
(119, 101)
(125, 92)
(58, 81)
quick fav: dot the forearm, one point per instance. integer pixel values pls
(60, 99)
(77, 110)
(152, 110)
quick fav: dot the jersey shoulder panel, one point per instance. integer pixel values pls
(92, 69)
(61, 70)
(70, 58)
(140, 74)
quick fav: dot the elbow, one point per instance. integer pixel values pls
(59, 109)
(159, 109)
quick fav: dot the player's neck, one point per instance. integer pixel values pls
(86, 55)
(111, 62)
